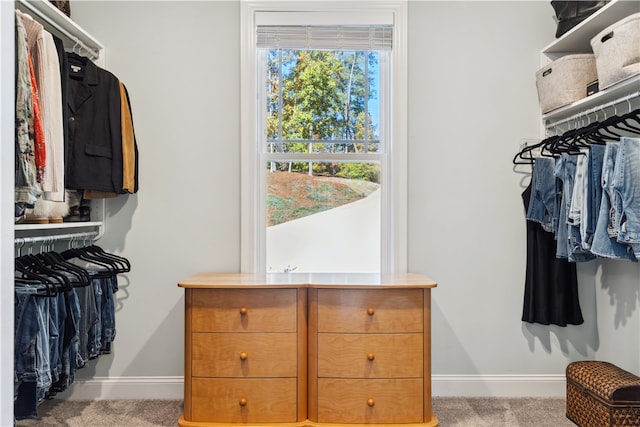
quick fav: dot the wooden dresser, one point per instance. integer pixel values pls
(307, 350)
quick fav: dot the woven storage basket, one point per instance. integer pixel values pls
(565, 80)
(617, 51)
(600, 394)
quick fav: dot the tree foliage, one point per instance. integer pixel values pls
(322, 96)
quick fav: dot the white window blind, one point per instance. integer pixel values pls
(325, 37)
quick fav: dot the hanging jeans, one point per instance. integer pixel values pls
(69, 342)
(57, 316)
(542, 203)
(593, 195)
(95, 331)
(565, 172)
(605, 243)
(109, 286)
(576, 253)
(626, 186)
(32, 375)
(88, 319)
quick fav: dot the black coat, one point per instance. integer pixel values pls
(64, 83)
(94, 125)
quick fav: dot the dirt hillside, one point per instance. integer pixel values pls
(294, 195)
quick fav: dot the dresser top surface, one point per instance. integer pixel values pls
(307, 280)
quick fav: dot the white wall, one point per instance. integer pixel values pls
(472, 98)
(180, 62)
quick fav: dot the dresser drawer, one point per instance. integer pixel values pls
(244, 400)
(370, 310)
(370, 355)
(244, 355)
(243, 310)
(370, 401)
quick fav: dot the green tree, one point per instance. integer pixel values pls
(319, 96)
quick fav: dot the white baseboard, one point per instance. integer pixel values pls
(113, 388)
(498, 385)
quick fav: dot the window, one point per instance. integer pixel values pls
(323, 138)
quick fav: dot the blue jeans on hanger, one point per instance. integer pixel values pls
(31, 355)
(626, 185)
(43, 349)
(576, 253)
(605, 242)
(70, 358)
(88, 318)
(109, 287)
(593, 194)
(69, 342)
(57, 316)
(543, 194)
(95, 332)
(565, 171)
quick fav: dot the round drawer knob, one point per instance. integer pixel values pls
(371, 402)
(370, 311)
(371, 356)
(243, 310)
(243, 356)
(243, 401)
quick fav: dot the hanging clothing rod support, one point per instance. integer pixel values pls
(594, 110)
(30, 240)
(93, 52)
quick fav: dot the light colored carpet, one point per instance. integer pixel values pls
(495, 412)
(112, 413)
(452, 412)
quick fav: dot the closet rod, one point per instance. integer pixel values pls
(30, 240)
(601, 107)
(52, 24)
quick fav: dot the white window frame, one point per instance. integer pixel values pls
(394, 185)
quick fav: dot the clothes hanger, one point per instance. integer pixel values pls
(75, 57)
(122, 262)
(599, 132)
(103, 269)
(28, 275)
(35, 284)
(579, 140)
(56, 262)
(604, 132)
(564, 143)
(36, 265)
(525, 156)
(626, 121)
(96, 253)
(520, 157)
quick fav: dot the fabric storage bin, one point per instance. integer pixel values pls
(600, 394)
(565, 80)
(617, 51)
